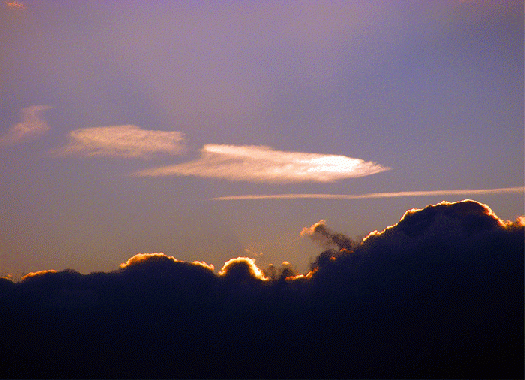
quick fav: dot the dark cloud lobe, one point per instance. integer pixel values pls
(439, 295)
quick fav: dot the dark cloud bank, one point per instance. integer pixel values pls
(440, 294)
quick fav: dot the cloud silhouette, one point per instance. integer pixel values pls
(122, 141)
(264, 164)
(31, 126)
(439, 294)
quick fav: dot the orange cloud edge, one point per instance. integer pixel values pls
(255, 272)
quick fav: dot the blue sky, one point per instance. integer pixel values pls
(121, 122)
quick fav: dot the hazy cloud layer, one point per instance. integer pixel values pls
(505, 190)
(31, 126)
(264, 164)
(437, 295)
(123, 141)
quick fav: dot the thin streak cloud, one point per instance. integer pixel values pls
(31, 126)
(506, 190)
(123, 141)
(264, 164)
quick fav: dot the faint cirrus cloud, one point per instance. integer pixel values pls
(264, 164)
(31, 126)
(123, 141)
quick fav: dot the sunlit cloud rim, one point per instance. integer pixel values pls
(264, 164)
(505, 190)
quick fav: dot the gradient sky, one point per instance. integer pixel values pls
(133, 126)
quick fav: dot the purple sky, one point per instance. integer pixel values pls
(133, 126)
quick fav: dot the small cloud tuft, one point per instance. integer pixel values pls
(319, 233)
(31, 126)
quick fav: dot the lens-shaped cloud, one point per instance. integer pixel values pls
(264, 164)
(123, 141)
(31, 126)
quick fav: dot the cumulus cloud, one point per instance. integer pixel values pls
(432, 193)
(437, 295)
(31, 126)
(264, 164)
(123, 141)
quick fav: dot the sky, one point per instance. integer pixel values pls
(208, 131)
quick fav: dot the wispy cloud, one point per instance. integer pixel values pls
(264, 164)
(31, 126)
(15, 4)
(123, 141)
(505, 190)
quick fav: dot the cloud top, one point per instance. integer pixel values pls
(32, 125)
(241, 268)
(148, 258)
(444, 219)
(264, 164)
(123, 141)
(38, 274)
